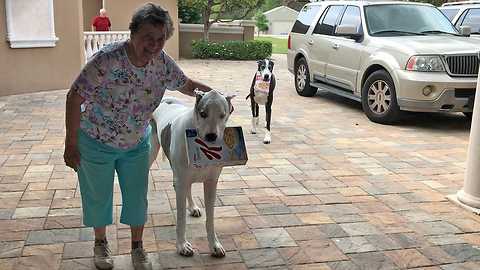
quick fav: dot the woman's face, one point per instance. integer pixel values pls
(148, 42)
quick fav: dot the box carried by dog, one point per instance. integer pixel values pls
(228, 152)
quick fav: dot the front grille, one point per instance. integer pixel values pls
(462, 65)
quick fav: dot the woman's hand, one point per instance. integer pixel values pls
(72, 156)
(191, 85)
(72, 122)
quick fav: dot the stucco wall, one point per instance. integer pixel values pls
(41, 69)
(120, 14)
(91, 9)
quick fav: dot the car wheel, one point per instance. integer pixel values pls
(379, 99)
(302, 79)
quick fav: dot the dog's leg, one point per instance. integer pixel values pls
(268, 118)
(192, 206)
(210, 193)
(254, 107)
(183, 246)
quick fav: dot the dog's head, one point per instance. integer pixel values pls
(265, 67)
(212, 111)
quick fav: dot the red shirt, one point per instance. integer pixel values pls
(101, 24)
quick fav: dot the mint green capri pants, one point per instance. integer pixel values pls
(96, 175)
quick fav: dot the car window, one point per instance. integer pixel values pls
(305, 19)
(326, 24)
(470, 18)
(406, 20)
(450, 13)
(352, 17)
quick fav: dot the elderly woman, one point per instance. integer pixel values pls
(119, 89)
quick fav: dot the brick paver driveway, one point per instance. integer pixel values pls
(332, 191)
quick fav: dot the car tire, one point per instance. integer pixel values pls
(302, 79)
(379, 98)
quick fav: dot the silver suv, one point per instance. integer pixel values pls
(465, 13)
(390, 56)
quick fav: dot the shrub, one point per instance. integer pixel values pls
(232, 50)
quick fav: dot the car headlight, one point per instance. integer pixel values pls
(425, 63)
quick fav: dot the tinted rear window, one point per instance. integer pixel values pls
(305, 19)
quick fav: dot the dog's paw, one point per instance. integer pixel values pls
(217, 250)
(184, 249)
(195, 211)
(267, 138)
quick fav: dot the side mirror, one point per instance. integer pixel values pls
(349, 31)
(465, 31)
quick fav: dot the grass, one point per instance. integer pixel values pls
(281, 44)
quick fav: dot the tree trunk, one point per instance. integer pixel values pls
(206, 24)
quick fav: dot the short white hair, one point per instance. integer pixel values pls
(103, 10)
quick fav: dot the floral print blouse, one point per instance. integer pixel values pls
(121, 97)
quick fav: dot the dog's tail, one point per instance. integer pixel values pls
(164, 156)
(156, 144)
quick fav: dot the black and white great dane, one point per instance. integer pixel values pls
(261, 93)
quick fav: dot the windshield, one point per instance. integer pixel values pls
(400, 19)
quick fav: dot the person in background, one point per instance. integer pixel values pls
(119, 88)
(101, 22)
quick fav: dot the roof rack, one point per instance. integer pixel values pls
(460, 3)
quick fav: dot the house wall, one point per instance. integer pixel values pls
(281, 20)
(120, 14)
(91, 9)
(41, 69)
(280, 28)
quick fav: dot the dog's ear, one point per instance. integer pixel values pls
(199, 95)
(229, 97)
(198, 92)
(270, 63)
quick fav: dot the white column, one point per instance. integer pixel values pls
(470, 194)
(89, 46)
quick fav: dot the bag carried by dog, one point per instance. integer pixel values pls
(261, 86)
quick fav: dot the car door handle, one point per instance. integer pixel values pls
(310, 42)
(335, 46)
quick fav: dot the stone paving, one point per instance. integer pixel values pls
(332, 191)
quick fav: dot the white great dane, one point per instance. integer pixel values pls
(171, 119)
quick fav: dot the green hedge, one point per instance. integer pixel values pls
(232, 50)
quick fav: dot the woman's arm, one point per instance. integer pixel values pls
(72, 122)
(191, 85)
